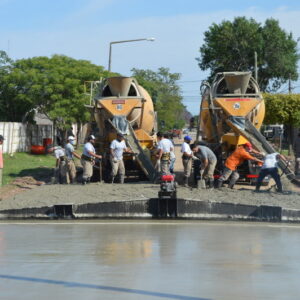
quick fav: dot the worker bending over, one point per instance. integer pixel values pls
(269, 167)
(117, 148)
(164, 147)
(187, 155)
(88, 159)
(70, 164)
(233, 161)
(208, 163)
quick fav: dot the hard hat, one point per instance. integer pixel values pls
(91, 137)
(187, 138)
(71, 138)
(248, 145)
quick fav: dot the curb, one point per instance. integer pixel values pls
(155, 208)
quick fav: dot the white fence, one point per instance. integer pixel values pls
(19, 137)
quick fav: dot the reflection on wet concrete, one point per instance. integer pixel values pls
(149, 260)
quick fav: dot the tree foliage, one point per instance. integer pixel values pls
(53, 86)
(165, 92)
(282, 109)
(230, 46)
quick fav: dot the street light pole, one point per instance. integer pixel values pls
(125, 41)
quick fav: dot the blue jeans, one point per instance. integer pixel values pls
(272, 172)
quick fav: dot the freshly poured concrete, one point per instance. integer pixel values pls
(149, 260)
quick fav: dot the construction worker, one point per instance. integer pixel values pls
(187, 155)
(1, 160)
(269, 167)
(208, 163)
(88, 159)
(164, 147)
(60, 164)
(233, 161)
(117, 148)
(70, 164)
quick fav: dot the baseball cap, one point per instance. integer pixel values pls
(71, 138)
(248, 145)
(187, 138)
(2, 138)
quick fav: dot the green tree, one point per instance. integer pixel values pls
(165, 93)
(230, 46)
(283, 109)
(53, 86)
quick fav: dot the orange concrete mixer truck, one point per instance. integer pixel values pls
(121, 105)
(231, 113)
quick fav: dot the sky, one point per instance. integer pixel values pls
(83, 29)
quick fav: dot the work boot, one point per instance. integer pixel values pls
(219, 183)
(186, 182)
(83, 181)
(122, 179)
(211, 183)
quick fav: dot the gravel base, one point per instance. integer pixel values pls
(48, 195)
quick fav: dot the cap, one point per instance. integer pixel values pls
(71, 138)
(2, 138)
(187, 138)
(91, 137)
(248, 145)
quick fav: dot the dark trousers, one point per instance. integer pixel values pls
(273, 172)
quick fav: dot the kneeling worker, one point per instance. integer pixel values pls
(88, 159)
(117, 147)
(233, 161)
(270, 168)
(208, 163)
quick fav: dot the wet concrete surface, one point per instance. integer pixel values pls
(149, 260)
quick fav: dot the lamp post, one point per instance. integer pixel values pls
(125, 41)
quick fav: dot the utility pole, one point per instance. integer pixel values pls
(255, 65)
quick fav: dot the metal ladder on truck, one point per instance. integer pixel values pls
(260, 142)
(142, 159)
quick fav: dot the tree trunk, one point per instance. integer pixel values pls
(290, 136)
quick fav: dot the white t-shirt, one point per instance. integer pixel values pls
(270, 161)
(60, 152)
(166, 145)
(88, 147)
(118, 148)
(185, 147)
(172, 153)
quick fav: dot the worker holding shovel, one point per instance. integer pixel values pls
(269, 167)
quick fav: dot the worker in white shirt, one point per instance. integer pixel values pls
(88, 159)
(60, 164)
(187, 156)
(269, 167)
(117, 148)
(164, 147)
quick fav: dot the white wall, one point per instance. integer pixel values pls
(19, 137)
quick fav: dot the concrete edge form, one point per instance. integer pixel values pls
(155, 208)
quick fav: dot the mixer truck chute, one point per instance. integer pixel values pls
(122, 105)
(231, 113)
